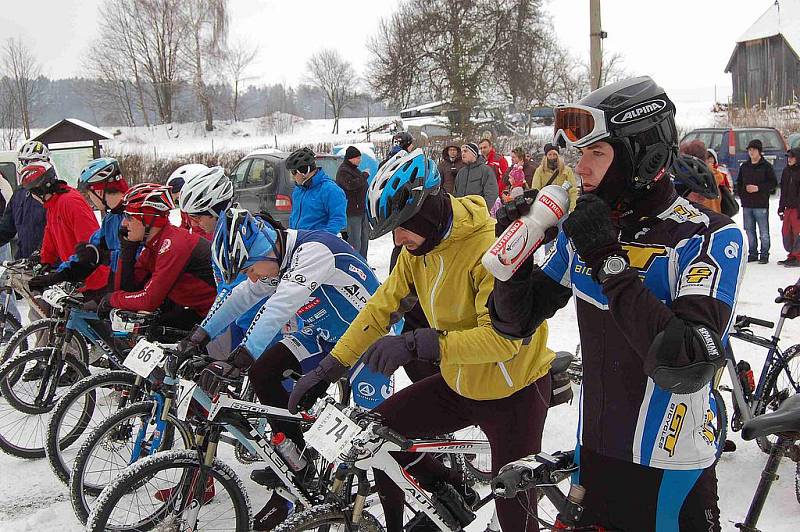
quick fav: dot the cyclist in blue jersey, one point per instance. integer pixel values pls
(655, 279)
(103, 183)
(310, 274)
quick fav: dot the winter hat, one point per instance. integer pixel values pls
(755, 143)
(471, 146)
(351, 153)
(794, 152)
(713, 153)
(548, 147)
(432, 221)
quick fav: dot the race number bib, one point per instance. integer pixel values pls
(332, 433)
(143, 358)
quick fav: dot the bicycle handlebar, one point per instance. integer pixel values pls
(744, 321)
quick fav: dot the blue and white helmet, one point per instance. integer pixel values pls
(398, 189)
(102, 170)
(240, 241)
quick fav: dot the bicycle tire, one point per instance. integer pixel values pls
(78, 488)
(327, 515)
(14, 339)
(722, 422)
(148, 468)
(775, 393)
(57, 442)
(29, 412)
(477, 467)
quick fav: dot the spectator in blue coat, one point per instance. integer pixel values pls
(24, 217)
(317, 201)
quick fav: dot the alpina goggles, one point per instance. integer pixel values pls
(579, 125)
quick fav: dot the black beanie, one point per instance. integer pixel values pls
(432, 221)
(351, 153)
(548, 147)
(755, 143)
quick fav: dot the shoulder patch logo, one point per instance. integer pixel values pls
(358, 271)
(165, 246)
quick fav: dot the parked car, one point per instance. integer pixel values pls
(263, 184)
(794, 140)
(731, 145)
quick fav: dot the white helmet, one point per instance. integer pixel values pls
(209, 192)
(182, 174)
(33, 150)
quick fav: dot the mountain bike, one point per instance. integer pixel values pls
(357, 438)
(779, 377)
(32, 381)
(94, 399)
(784, 423)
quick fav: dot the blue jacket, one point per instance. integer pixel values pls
(24, 218)
(319, 204)
(105, 238)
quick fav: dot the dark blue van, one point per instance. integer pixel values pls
(731, 145)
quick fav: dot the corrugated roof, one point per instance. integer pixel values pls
(781, 18)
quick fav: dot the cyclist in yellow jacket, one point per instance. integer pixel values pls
(485, 380)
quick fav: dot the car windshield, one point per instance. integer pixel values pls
(771, 140)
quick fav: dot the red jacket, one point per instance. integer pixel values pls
(70, 221)
(174, 265)
(499, 165)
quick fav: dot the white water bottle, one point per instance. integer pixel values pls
(288, 450)
(525, 234)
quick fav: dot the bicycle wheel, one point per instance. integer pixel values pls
(777, 388)
(721, 428)
(477, 467)
(134, 500)
(23, 416)
(87, 404)
(331, 518)
(109, 449)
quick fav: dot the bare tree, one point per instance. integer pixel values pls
(9, 118)
(613, 68)
(22, 71)
(238, 58)
(335, 76)
(207, 25)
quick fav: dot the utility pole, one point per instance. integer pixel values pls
(596, 34)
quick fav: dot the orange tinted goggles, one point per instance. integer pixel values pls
(579, 126)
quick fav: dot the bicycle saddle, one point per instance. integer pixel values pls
(785, 419)
(561, 362)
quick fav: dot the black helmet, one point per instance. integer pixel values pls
(403, 139)
(634, 112)
(690, 174)
(301, 158)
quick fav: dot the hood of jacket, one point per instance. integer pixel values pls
(444, 152)
(543, 165)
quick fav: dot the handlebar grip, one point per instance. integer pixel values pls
(760, 323)
(395, 437)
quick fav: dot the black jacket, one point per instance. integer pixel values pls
(354, 183)
(24, 218)
(790, 185)
(760, 174)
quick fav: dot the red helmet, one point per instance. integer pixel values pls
(149, 203)
(39, 177)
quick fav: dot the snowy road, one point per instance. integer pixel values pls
(31, 499)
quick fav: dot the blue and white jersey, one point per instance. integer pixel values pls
(325, 282)
(623, 414)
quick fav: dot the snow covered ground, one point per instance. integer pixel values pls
(31, 499)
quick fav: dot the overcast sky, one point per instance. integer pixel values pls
(683, 44)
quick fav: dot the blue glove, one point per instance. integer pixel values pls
(391, 352)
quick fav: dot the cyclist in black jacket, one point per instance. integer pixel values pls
(655, 279)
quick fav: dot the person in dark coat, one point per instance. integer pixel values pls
(354, 183)
(449, 166)
(756, 182)
(789, 208)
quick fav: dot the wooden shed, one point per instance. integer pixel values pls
(72, 143)
(765, 65)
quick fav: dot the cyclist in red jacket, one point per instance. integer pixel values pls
(70, 220)
(173, 268)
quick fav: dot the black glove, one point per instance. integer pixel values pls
(46, 280)
(240, 358)
(516, 208)
(313, 384)
(391, 352)
(104, 307)
(591, 231)
(194, 344)
(87, 253)
(216, 375)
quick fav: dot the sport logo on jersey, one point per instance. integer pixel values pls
(641, 257)
(672, 429)
(165, 246)
(696, 274)
(358, 271)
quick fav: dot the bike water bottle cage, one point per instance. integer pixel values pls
(684, 357)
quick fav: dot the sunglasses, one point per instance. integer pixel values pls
(578, 125)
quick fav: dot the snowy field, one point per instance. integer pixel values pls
(32, 499)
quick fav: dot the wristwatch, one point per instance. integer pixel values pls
(612, 265)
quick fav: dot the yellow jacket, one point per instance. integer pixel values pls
(453, 288)
(543, 175)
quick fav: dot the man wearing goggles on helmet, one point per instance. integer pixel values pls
(655, 279)
(173, 268)
(313, 275)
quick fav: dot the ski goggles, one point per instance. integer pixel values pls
(578, 125)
